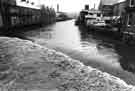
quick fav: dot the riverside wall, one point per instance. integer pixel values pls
(27, 66)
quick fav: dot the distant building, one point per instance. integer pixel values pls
(11, 2)
(86, 7)
(106, 6)
(119, 9)
(130, 12)
(107, 10)
(108, 2)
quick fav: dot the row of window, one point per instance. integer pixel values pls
(24, 11)
(16, 20)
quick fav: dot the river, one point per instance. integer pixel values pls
(91, 48)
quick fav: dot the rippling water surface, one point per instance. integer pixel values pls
(91, 48)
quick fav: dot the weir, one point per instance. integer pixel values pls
(27, 66)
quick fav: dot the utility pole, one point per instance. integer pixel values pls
(94, 6)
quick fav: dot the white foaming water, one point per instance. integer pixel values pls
(67, 39)
(86, 52)
(71, 40)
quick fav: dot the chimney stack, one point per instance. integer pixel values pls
(86, 7)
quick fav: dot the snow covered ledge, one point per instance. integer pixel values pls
(26, 66)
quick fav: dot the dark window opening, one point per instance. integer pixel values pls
(130, 19)
(132, 2)
(98, 15)
(90, 13)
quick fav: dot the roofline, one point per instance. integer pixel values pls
(120, 3)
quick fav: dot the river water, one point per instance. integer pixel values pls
(91, 48)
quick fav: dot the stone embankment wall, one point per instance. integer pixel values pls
(26, 66)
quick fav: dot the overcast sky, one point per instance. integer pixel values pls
(121, 0)
(66, 5)
(71, 5)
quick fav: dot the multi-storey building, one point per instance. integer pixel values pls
(14, 16)
(106, 6)
(11, 2)
(128, 26)
(119, 9)
(130, 13)
(4, 11)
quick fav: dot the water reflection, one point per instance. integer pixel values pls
(74, 41)
(82, 44)
(128, 57)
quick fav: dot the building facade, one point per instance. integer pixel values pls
(13, 16)
(130, 12)
(107, 10)
(119, 9)
(106, 6)
(11, 2)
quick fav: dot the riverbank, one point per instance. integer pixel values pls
(62, 19)
(27, 66)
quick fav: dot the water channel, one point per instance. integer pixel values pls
(91, 48)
